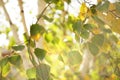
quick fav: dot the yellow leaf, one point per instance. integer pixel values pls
(112, 6)
(36, 37)
(82, 16)
(83, 8)
(83, 11)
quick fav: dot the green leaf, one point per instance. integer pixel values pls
(84, 34)
(31, 73)
(18, 48)
(12, 41)
(88, 26)
(40, 53)
(74, 57)
(35, 29)
(98, 40)
(77, 26)
(3, 61)
(93, 49)
(16, 60)
(103, 6)
(5, 70)
(42, 72)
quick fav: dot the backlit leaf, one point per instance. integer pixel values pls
(48, 37)
(31, 73)
(5, 70)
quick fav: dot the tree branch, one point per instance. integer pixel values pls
(88, 2)
(41, 14)
(14, 30)
(23, 16)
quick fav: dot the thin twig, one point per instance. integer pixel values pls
(88, 2)
(43, 12)
(14, 30)
(79, 2)
(114, 14)
(22, 15)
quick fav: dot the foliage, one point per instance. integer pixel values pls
(66, 38)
